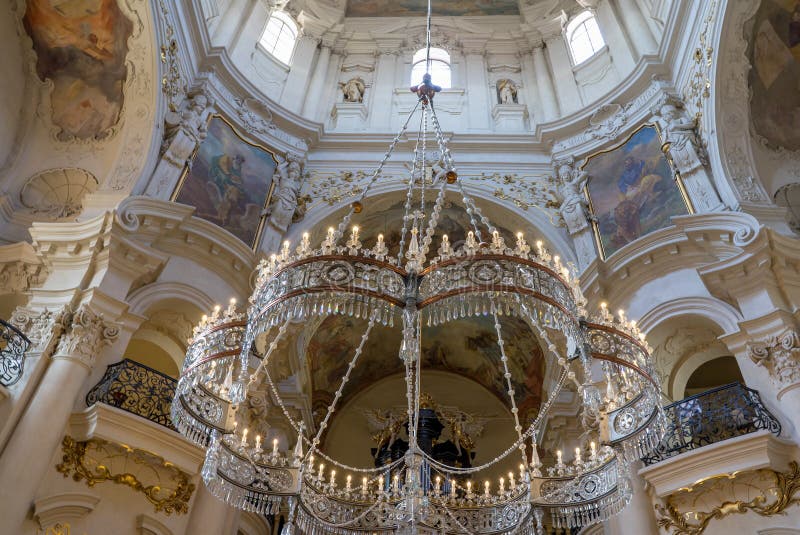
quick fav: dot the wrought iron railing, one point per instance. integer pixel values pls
(713, 416)
(13, 345)
(136, 388)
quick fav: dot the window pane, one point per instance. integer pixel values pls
(279, 36)
(594, 34)
(584, 37)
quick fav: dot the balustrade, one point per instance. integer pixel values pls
(13, 345)
(710, 417)
(138, 389)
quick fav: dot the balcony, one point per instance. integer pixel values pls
(13, 345)
(721, 431)
(713, 416)
(137, 389)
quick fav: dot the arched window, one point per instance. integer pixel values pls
(440, 67)
(279, 36)
(584, 37)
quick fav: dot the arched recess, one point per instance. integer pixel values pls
(170, 310)
(712, 374)
(534, 223)
(681, 345)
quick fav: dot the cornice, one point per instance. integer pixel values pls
(119, 426)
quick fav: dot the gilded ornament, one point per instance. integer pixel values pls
(778, 491)
(96, 461)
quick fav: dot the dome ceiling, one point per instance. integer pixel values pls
(404, 8)
(775, 74)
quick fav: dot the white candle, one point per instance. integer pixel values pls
(380, 483)
(511, 481)
(258, 443)
(469, 488)
(502, 485)
(522, 469)
(453, 488)
(244, 437)
(349, 479)
(321, 470)
(593, 447)
(437, 484)
(333, 478)
(396, 483)
(275, 447)
(311, 462)
(558, 455)
(578, 459)
(363, 485)
(486, 488)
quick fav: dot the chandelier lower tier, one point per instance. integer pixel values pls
(603, 361)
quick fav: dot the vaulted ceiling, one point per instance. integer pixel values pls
(401, 8)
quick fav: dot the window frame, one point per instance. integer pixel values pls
(287, 26)
(438, 56)
(578, 25)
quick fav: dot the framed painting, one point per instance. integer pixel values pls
(632, 190)
(229, 181)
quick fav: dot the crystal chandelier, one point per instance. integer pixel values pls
(604, 360)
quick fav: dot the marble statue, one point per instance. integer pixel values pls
(283, 210)
(182, 134)
(506, 91)
(353, 90)
(570, 189)
(683, 147)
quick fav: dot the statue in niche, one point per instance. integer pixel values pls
(353, 90)
(570, 189)
(183, 132)
(287, 206)
(506, 91)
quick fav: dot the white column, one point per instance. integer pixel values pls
(210, 515)
(622, 51)
(318, 79)
(638, 31)
(380, 104)
(531, 92)
(254, 18)
(544, 82)
(230, 22)
(478, 107)
(639, 515)
(569, 98)
(30, 449)
(297, 80)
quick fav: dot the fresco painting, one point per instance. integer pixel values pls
(632, 190)
(452, 8)
(229, 181)
(467, 347)
(81, 46)
(775, 74)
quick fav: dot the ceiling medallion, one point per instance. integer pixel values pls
(604, 361)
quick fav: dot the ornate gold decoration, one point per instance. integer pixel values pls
(172, 84)
(97, 460)
(685, 513)
(698, 85)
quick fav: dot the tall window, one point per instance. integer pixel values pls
(279, 36)
(440, 67)
(584, 38)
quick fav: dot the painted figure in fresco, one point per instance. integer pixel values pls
(226, 185)
(636, 186)
(81, 47)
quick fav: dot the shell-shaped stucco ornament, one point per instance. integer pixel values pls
(57, 193)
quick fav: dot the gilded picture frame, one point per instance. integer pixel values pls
(229, 179)
(625, 203)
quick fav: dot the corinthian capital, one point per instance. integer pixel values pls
(86, 336)
(780, 355)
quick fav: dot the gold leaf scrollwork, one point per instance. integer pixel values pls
(682, 513)
(96, 461)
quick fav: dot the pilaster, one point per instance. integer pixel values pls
(477, 82)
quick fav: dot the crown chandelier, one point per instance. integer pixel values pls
(603, 360)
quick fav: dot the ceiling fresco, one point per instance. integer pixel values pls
(775, 74)
(467, 347)
(81, 46)
(404, 8)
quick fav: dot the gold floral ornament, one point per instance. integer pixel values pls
(96, 460)
(764, 492)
